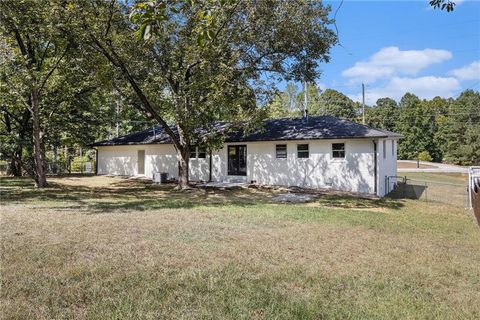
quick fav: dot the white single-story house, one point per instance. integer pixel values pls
(313, 152)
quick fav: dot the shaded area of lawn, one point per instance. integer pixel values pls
(124, 194)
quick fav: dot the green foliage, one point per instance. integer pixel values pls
(290, 103)
(78, 163)
(383, 115)
(458, 134)
(417, 123)
(424, 156)
(336, 104)
(448, 5)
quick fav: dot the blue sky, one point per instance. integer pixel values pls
(399, 46)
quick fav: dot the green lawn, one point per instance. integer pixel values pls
(111, 248)
(452, 178)
(448, 188)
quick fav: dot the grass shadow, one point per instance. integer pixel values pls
(349, 202)
(99, 194)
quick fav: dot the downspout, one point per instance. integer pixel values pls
(210, 166)
(375, 166)
(96, 161)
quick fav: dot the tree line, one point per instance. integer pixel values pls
(434, 130)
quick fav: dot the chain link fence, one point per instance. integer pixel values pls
(455, 194)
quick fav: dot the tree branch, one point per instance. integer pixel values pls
(55, 66)
(113, 57)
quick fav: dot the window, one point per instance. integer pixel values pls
(302, 151)
(384, 149)
(338, 150)
(281, 151)
(237, 160)
(393, 148)
(198, 153)
(201, 153)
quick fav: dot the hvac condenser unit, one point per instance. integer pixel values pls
(160, 177)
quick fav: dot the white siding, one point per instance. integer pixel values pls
(354, 173)
(118, 160)
(161, 158)
(122, 160)
(387, 167)
(320, 170)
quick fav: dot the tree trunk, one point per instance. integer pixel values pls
(183, 168)
(15, 168)
(38, 150)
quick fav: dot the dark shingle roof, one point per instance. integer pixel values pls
(321, 127)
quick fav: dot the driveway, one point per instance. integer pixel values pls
(410, 166)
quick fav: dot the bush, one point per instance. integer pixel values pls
(78, 164)
(425, 156)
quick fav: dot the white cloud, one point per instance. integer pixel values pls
(423, 87)
(470, 72)
(392, 61)
(322, 86)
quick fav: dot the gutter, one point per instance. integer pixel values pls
(210, 166)
(96, 161)
(375, 174)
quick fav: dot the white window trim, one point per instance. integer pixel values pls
(196, 151)
(308, 145)
(286, 151)
(344, 159)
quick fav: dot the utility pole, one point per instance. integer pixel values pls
(363, 103)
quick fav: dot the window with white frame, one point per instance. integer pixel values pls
(393, 148)
(198, 152)
(338, 150)
(303, 151)
(280, 151)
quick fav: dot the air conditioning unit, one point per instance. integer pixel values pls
(160, 177)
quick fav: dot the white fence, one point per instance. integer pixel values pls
(473, 177)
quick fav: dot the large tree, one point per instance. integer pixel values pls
(206, 60)
(383, 115)
(34, 39)
(458, 134)
(417, 123)
(336, 104)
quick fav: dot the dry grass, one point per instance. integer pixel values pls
(110, 248)
(412, 165)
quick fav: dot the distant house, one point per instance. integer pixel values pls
(318, 152)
